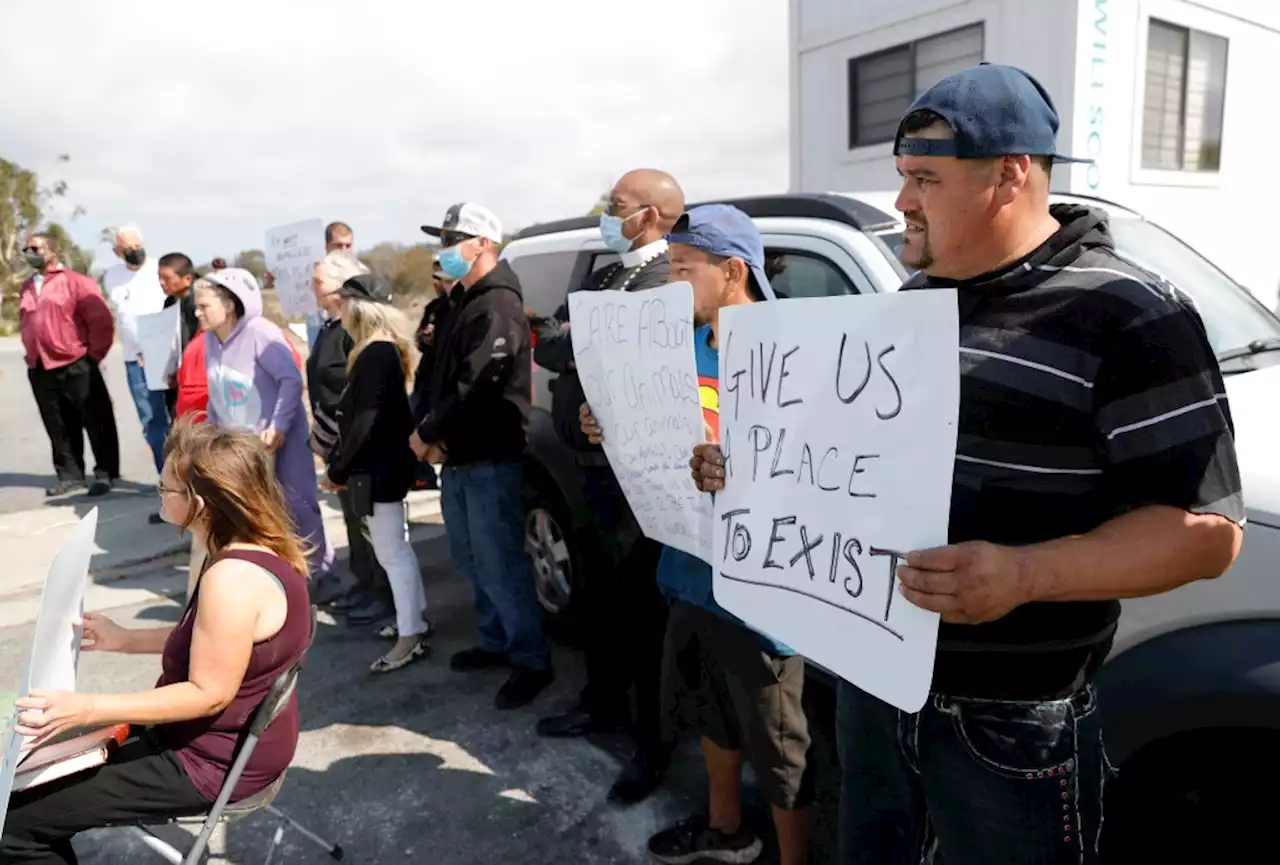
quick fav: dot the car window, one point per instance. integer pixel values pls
(601, 260)
(794, 273)
(544, 279)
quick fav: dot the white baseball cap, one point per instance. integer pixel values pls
(473, 220)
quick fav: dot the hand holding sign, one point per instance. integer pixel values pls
(589, 425)
(707, 466)
(967, 583)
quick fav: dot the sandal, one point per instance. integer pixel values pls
(386, 663)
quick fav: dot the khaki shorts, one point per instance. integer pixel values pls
(720, 679)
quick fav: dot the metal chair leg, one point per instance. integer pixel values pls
(275, 842)
(335, 851)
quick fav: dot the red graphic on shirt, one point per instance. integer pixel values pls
(709, 396)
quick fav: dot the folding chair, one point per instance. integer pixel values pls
(225, 811)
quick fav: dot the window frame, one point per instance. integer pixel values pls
(851, 75)
(1139, 174)
(798, 251)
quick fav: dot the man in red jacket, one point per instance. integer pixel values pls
(66, 332)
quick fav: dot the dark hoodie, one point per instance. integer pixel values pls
(1072, 359)
(480, 387)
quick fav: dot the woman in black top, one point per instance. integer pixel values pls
(372, 459)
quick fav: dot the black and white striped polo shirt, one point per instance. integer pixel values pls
(1088, 389)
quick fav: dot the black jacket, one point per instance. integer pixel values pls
(480, 387)
(435, 320)
(188, 324)
(327, 367)
(374, 425)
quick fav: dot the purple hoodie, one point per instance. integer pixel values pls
(254, 384)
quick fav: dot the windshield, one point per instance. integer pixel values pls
(1232, 316)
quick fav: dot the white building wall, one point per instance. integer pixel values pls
(1091, 57)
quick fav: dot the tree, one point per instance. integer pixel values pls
(254, 261)
(412, 276)
(384, 259)
(23, 204)
(602, 203)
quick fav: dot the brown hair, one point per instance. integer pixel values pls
(234, 475)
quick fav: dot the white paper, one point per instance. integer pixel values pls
(838, 425)
(55, 647)
(291, 252)
(635, 359)
(158, 342)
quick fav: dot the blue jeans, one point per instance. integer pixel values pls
(484, 517)
(153, 411)
(970, 782)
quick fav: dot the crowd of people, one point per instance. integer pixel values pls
(1095, 462)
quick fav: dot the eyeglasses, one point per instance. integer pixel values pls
(615, 208)
(33, 249)
(162, 490)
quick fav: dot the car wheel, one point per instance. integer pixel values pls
(1194, 797)
(550, 546)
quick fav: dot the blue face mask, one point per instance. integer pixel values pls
(611, 233)
(453, 264)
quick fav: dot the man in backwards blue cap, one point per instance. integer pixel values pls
(738, 688)
(1095, 461)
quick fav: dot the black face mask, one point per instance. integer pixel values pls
(34, 259)
(135, 257)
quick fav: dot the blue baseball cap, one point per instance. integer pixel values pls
(993, 110)
(724, 230)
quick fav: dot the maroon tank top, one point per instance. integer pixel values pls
(206, 747)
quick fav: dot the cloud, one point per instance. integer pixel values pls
(208, 123)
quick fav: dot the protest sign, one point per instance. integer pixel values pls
(292, 252)
(158, 341)
(55, 647)
(838, 428)
(634, 354)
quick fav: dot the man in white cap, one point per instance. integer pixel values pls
(475, 425)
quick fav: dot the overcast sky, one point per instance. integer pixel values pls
(206, 123)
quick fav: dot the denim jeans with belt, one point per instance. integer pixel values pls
(484, 518)
(970, 782)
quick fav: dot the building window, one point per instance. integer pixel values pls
(1185, 88)
(883, 85)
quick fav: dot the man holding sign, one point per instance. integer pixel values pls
(740, 689)
(1095, 461)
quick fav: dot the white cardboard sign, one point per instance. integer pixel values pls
(55, 647)
(291, 252)
(634, 354)
(838, 426)
(158, 341)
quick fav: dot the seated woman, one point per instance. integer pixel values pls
(248, 620)
(255, 385)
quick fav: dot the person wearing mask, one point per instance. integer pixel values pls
(248, 622)
(66, 332)
(372, 460)
(1096, 461)
(133, 287)
(255, 384)
(434, 319)
(368, 600)
(476, 426)
(624, 610)
(741, 690)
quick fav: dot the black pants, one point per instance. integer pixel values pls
(73, 400)
(369, 575)
(141, 782)
(970, 782)
(626, 620)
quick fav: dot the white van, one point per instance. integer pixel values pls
(1191, 692)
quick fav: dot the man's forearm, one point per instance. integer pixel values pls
(1145, 552)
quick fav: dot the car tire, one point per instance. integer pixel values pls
(550, 541)
(1202, 796)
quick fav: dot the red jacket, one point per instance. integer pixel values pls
(66, 320)
(193, 378)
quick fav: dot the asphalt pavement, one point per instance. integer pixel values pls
(411, 766)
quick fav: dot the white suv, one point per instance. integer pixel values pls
(1191, 692)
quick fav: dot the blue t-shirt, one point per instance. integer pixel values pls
(681, 575)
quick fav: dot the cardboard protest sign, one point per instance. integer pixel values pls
(158, 341)
(291, 252)
(55, 647)
(838, 427)
(634, 354)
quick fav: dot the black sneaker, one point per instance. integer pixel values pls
(578, 722)
(521, 687)
(693, 840)
(155, 519)
(641, 776)
(100, 487)
(373, 610)
(477, 659)
(61, 488)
